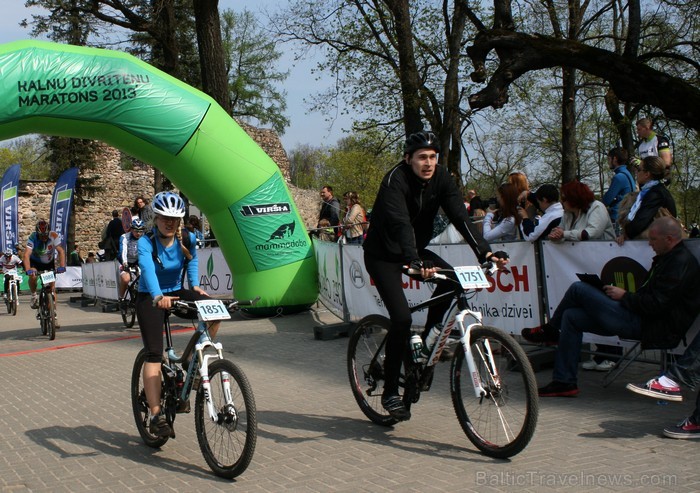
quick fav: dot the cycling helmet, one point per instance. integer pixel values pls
(137, 225)
(42, 228)
(421, 140)
(168, 204)
(8, 252)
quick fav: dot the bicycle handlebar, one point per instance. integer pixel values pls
(488, 267)
(231, 305)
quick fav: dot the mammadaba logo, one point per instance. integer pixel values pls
(266, 209)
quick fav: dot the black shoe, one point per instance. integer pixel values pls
(558, 389)
(395, 407)
(159, 427)
(544, 334)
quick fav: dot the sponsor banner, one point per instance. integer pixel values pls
(270, 227)
(88, 273)
(8, 187)
(106, 280)
(330, 274)
(41, 81)
(624, 266)
(214, 274)
(510, 303)
(61, 204)
(72, 278)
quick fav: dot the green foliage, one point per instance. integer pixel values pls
(29, 152)
(253, 79)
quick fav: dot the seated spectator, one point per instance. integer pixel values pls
(325, 231)
(547, 199)
(503, 222)
(652, 197)
(585, 218)
(658, 314)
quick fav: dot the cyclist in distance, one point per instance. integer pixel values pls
(164, 259)
(128, 252)
(43, 246)
(401, 228)
(9, 263)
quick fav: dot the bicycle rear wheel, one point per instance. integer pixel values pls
(501, 422)
(228, 443)
(14, 300)
(127, 307)
(139, 404)
(365, 367)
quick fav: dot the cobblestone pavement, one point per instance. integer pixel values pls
(66, 422)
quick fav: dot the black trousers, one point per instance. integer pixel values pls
(389, 284)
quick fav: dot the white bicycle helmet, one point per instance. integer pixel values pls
(168, 204)
(138, 225)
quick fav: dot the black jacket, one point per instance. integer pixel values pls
(403, 214)
(669, 299)
(658, 196)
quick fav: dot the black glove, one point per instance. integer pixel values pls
(416, 264)
(498, 255)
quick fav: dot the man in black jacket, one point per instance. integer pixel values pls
(401, 228)
(659, 313)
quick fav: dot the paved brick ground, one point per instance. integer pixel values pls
(67, 426)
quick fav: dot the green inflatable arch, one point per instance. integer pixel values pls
(110, 96)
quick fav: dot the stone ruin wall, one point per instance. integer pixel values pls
(120, 187)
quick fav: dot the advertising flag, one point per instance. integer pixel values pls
(10, 184)
(61, 203)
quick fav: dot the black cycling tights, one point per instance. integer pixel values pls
(389, 284)
(152, 319)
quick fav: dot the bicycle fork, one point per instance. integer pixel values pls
(487, 358)
(229, 411)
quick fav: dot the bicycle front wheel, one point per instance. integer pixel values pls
(139, 404)
(14, 299)
(127, 307)
(366, 367)
(502, 420)
(228, 441)
(49, 316)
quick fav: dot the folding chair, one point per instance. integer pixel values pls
(635, 352)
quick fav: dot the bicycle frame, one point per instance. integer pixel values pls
(198, 343)
(457, 315)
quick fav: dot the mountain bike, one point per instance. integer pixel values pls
(46, 310)
(493, 387)
(12, 294)
(127, 303)
(224, 410)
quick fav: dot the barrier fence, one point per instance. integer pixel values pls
(537, 278)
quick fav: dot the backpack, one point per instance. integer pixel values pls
(186, 242)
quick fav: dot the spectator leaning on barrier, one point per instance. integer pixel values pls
(502, 220)
(547, 199)
(652, 200)
(585, 218)
(659, 313)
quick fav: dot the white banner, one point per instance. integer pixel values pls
(72, 278)
(214, 275)
(511, 303)
(624, 266)
(330, 280)
(88, 280)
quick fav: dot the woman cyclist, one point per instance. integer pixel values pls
(128, 253)
(162, 258)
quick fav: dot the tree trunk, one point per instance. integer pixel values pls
(569, 163)
(211, 52)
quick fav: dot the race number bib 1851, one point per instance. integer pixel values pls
(212, 310)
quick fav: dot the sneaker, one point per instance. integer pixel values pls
(159, 427)
(543, 334)
(56, 325)
(592, 365)
(654, 389)
(35, 301)
(395, 407)
(558, 389)
(687, 428)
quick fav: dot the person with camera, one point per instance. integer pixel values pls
(547, 199)
(401, 228)
(502, 221)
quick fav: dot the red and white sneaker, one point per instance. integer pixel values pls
(654, 389)
(684, 430)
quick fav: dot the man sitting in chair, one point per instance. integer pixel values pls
(658, 314)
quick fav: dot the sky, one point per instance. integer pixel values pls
(305, 127)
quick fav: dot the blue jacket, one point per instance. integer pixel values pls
(621, 184)
(157, 280)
